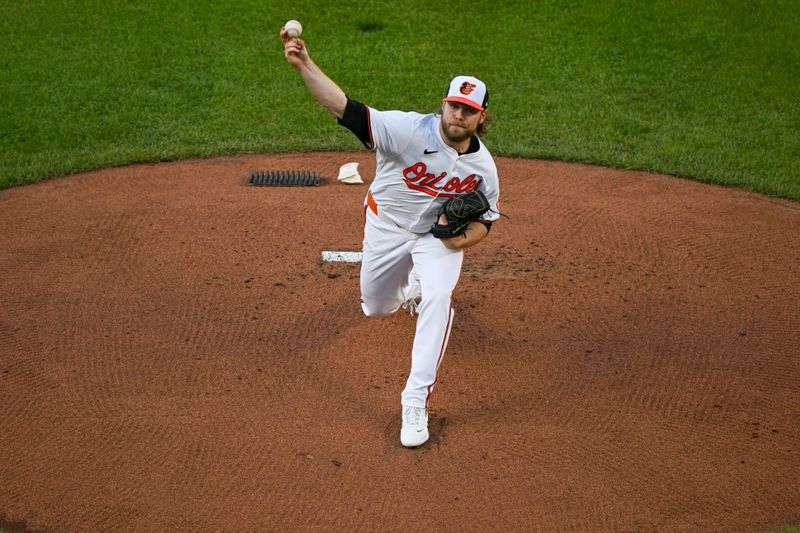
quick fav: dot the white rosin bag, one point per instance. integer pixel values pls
(348, 173)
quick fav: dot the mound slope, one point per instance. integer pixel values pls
(175, 355)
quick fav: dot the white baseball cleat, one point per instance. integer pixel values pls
(415, 426)
(413, 296)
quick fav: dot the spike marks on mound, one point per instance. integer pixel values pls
(285, 178)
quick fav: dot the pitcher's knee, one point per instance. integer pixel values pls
(437, 296)
(376, 308)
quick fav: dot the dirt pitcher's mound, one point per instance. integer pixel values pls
(174, 355)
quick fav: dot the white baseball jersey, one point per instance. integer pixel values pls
(417, 172)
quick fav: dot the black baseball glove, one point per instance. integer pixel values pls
(460, 211)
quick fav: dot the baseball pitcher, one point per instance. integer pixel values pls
(435, 193)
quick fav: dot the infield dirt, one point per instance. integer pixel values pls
(174, 355)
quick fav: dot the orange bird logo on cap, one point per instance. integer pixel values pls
(467, 87)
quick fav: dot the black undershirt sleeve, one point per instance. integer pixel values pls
(356, 119)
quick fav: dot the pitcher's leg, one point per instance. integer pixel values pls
(385, 266)
(438, 268)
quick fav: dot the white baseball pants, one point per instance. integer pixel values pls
(389, 254)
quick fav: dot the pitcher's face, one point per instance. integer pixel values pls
(460, 121)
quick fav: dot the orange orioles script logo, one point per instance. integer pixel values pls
(418, 178)
(467, 87)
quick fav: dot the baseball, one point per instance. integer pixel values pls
(293, 28)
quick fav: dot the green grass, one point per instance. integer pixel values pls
(708, 90)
